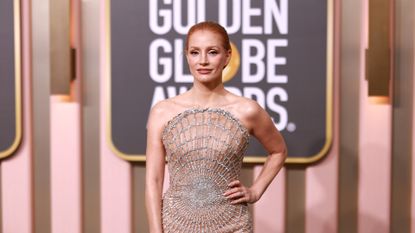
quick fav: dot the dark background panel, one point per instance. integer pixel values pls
(132, 88)
(7, 76)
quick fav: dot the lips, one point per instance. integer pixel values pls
(204, 71)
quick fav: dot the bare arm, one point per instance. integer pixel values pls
(155, 164)
(267, 134)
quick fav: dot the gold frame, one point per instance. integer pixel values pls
(329, 91)
(17, 77)
(247, 159)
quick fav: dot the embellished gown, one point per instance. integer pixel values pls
(204, 152)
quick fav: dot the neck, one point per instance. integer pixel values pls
(207, 95)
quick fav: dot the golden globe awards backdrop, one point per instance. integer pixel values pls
(281, 59)
(10, 112)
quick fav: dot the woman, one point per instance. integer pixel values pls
(202, 134)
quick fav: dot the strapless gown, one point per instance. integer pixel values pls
(204, 153)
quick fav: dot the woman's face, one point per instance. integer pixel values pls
(206, 56)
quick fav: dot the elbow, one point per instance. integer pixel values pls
(284, 153)
(280, 155)
(153, 183)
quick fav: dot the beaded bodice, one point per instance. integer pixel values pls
(204, 151)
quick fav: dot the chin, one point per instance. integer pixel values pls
(207, 79)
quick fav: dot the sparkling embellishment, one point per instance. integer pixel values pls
(201, 193)
(204, 150)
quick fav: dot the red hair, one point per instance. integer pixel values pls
(213, 27)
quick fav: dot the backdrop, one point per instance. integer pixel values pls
(283, 58)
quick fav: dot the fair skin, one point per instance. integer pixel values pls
(207, 57)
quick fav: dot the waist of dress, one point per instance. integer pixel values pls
(197, 189)
(198, 194)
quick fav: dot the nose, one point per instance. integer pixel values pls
(203, 59)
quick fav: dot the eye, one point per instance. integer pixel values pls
(213, 52)
(193, 52)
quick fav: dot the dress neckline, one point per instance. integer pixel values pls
(191, 110)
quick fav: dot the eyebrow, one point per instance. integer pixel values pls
(209, 47)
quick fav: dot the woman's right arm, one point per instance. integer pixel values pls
(155, 164)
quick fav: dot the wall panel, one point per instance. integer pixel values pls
(65, 166)
(413, 146)
(374, 166)
(322, 189)
(269, 211)
(375, 119)
(350, 30)
(41, 115)
(403, 98)
(16, 171)
(413, 137)
(115, 173)
(139, 217)
(295, 199)
(91, 131)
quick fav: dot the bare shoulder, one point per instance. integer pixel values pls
(248, 111)
(159, 108)
(165, 110)
(160, 113)
(247, 108)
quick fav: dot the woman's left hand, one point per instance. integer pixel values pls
(238, 193)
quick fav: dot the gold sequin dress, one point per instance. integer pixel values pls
(204, 152)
